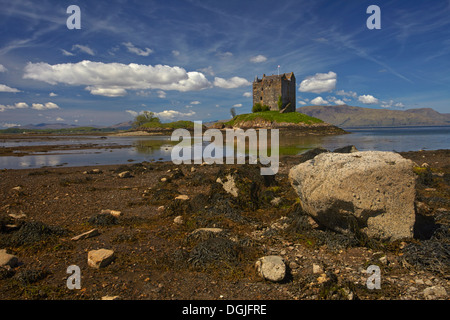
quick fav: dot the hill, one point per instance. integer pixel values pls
(348, 116)
(290, 121)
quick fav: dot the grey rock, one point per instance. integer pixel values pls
(100, 258)
(434, 292)
(373, 188)
(271, 268)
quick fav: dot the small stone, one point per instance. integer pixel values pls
(20, 215)
(160, 209)
(317, 268)
(18, 188)
(110, 298)
(88, 234)
(271, 268)
(93, 171)
(293, 265)
(213, 230)
(192, 169)
(125, 174)
(7, 259)
(178, 220)
(114, 213)
(163, 179)
(322, 278)
(100, 258)
(182, 197)
(434, 292)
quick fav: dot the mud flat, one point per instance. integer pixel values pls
(176, 233)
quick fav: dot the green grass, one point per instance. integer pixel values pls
(170, 125)
(275, 116)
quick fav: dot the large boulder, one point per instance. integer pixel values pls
(372, 191)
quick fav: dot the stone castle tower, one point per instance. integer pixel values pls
(267, 90)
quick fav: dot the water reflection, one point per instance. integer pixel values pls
(159, 148)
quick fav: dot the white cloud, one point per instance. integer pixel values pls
(234, 82)
(161, 94)
(5, 88)
(224, 55)
(47, 106)
(2, 68)
(237, 105)
(320, 82)
(113, 79)
(247, 94)
(59, 119)
(107, 92)
(368, 99)
(172, 114)
(52, 94)
(67, 53)
(390, 103)
(133, 113)
(131, 48)
(195, 102)
(18, 105)
(346, 94)
(9, 125)
(339, 102)
(301, 102)
(318, 101)
(258, 59)
(84, 49)
(208, 70)
(176, 53)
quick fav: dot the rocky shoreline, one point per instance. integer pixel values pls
(161, 231)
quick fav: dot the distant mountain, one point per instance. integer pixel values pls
(48, 126)
(348, 116)
(121, 126)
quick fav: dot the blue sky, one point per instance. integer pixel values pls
(194, 60)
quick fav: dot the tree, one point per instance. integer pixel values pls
(233, 112)
(144, 117)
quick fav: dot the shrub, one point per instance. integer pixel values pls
(257, 107)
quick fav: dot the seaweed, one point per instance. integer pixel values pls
(103, 219)
(32, 232)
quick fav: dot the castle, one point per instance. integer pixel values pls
(267, 90)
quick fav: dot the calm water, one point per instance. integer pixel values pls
(148, 148)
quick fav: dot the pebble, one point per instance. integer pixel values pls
(434, 292)
(125, 174)
(100, 258)
(7, 259)
(178, 220)
(114, 213)
(317, 268)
